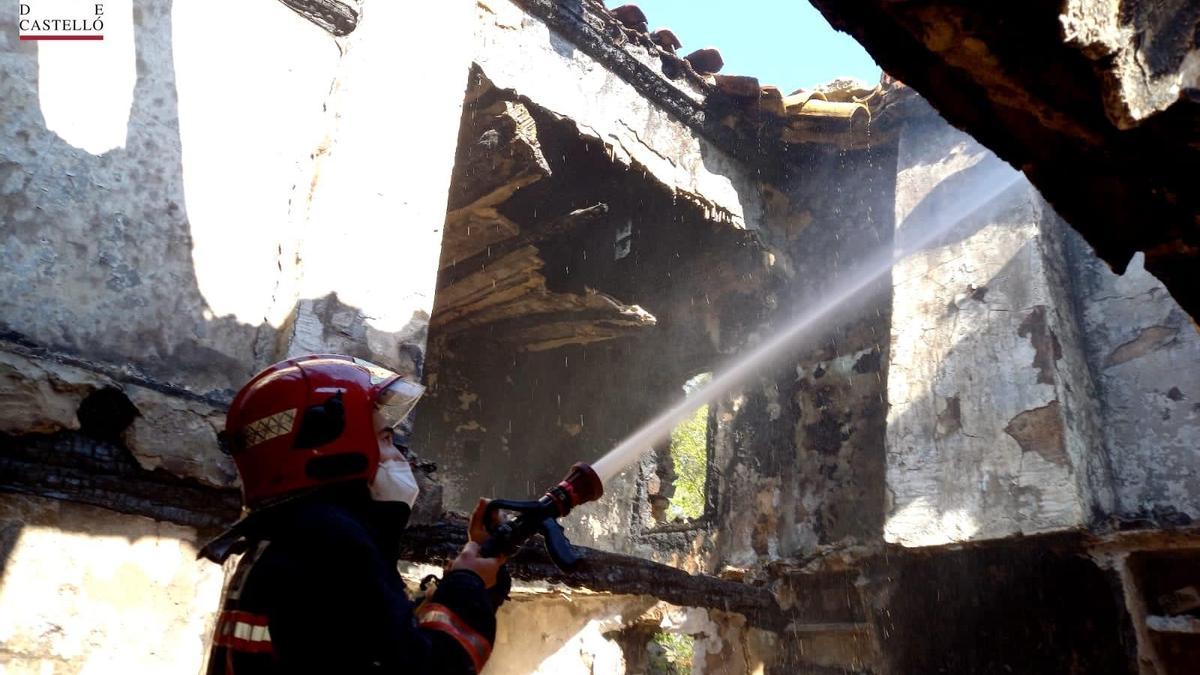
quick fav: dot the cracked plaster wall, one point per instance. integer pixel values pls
(174, 217)
(242, 208)
(1145, 352)
(993, 428)
(799, 449)
(98, 245)
(1032, 389)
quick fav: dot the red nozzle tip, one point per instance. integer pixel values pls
(585, 484)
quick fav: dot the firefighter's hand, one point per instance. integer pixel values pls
(477, 531)
(469, 558)
(486, 568)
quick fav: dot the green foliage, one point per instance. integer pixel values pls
(673, 655)
(689, 452)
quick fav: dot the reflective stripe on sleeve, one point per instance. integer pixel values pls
(243, 631)
(434, 616)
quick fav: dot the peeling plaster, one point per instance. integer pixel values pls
(1041, 430)
(1149, 339)
(976, 345)
(1147, 359)
(1047, 350)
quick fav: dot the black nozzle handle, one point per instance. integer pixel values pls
(560, 549)
(508, 535)
(500, 543)
(495, 506)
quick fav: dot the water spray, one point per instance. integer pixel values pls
(585, 483)
(999, 179)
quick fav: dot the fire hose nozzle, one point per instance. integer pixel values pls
(580, 486)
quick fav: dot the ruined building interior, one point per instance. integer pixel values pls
(984, 459)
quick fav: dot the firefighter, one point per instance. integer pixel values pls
(326, 496)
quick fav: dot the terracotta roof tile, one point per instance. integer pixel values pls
(771, 101)
(739, 86)
(665, 38)
(844, 112)
(706, 60)
(630, 15)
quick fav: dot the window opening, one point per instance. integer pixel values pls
(677, 488)
(623, 242)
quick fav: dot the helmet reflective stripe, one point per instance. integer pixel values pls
(271, 426)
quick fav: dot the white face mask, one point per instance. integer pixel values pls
(394, 480)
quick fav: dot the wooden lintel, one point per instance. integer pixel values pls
(497, 157)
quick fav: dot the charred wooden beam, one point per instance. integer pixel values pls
(549, 321)
(75, 467)
(510, 277)
(498, 155)
(500, 150)
(608, 573)
(504, 289)
(496, 252)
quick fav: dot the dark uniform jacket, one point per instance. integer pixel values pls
(317, 591)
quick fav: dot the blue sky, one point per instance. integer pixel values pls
(786, 43)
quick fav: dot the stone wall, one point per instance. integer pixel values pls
(539, 634)
(1077, 94)
(173, 217)
(215, 226)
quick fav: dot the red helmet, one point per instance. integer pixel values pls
(312, 420)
